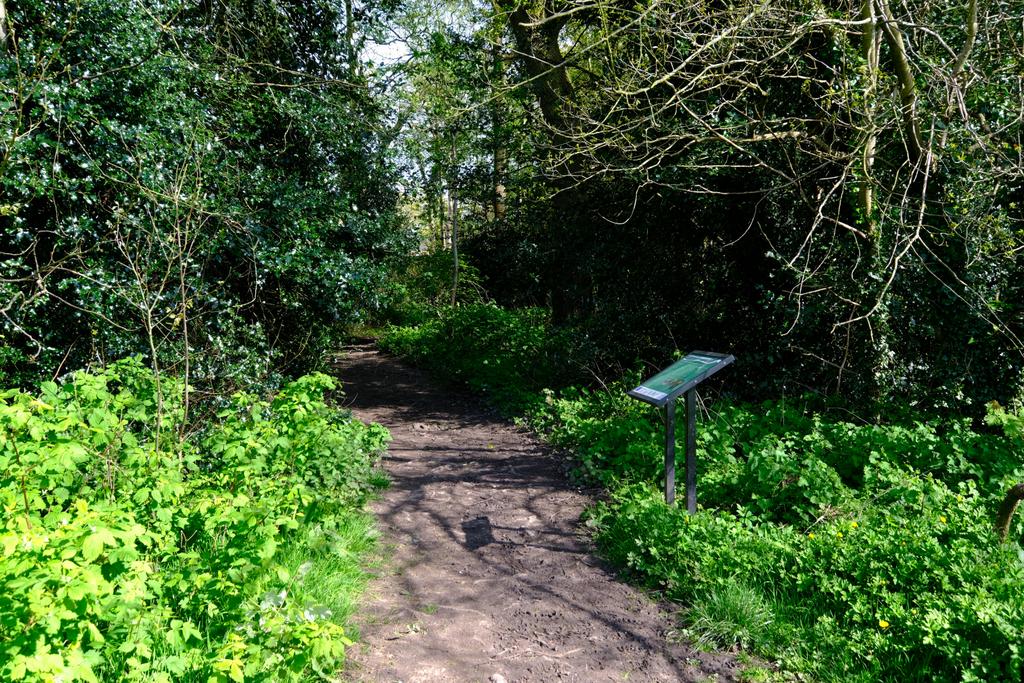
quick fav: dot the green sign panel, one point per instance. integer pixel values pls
(680, 377)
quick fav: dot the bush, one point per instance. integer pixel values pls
(133, 550)
(509, 355)
(425, 285)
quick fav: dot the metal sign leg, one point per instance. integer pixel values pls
(670, 452)
(691, 451)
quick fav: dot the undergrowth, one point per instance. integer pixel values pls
(844, 550)
(134, 550)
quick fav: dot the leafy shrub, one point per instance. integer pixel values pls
(887, 562)
(507, 354)
(232, 219)
(907, 591)
(425, 285)
(128, 552)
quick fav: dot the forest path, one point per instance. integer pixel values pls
(489, 576)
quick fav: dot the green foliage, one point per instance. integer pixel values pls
(848, 550)
(876, 539)
(790, 221)
(914, 588)
(129, 553)
(202, 182)
(425, 285)
(508, 354)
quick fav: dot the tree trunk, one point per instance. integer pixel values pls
(3, 26)
(500, 168)
(1005, 515)
(539, 51)
(444, 207)
(455, 219)
(350, 37)
(455, 248)
(905, 79)
(870, 47)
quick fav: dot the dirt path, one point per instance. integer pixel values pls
(490, 577)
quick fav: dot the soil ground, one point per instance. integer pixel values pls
(489, 573)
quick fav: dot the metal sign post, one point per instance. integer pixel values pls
(662, 390)
(670, 453)
(691, 451)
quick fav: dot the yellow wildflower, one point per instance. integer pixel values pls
(883, 623)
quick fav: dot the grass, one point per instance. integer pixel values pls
(323, 570)
(730, 616)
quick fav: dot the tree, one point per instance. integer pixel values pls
(183, 177)
(884, 136)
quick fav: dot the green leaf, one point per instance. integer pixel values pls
(268, 550)
(92, 547)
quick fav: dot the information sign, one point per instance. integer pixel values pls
(680, 377)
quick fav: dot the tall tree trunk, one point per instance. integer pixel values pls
(3, 26)
(905, 78)
(500, 150)
(442, 219)
(865, 346)
(500, 169)
(455, 224)
(870, 48)
(350, 37)
(445, 206)
(455, 248)
(538, 49)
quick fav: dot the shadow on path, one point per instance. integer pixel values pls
(489, 571)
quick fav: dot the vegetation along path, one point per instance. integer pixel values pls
(490, 576)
